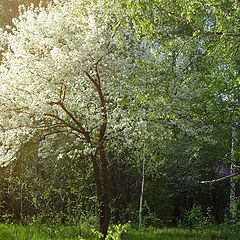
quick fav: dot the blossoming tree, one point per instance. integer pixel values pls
(63, 71)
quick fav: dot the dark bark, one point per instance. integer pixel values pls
(100, 163)
(102, 177)
(99, 160)
(100, 169)
(105, 209)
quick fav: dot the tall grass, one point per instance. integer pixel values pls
(42, 232)
(86, 232)
(221, 232)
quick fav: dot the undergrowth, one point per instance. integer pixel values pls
(117, 232)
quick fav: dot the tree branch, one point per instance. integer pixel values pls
(64, 122)
(63, 91)
(81, 128)
(97, 84)
(218, 179)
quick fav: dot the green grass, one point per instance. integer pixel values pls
(17, 232)
(32, 232)
(220, 232)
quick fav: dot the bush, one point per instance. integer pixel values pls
(195, 217)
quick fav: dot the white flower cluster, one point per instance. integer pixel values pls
(48, 54)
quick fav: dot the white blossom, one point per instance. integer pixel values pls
(49, 52)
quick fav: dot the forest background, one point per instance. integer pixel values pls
(175, 124)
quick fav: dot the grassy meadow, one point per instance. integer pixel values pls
(34, 232)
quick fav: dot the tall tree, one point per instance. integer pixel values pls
(196, 44)
(63, 71)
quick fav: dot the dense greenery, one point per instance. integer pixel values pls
(104, 103)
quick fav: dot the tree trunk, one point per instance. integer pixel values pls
(100, 163)
(232, 194)
(102, 189)
(142, 190)
(105, 216)
(141, 196)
